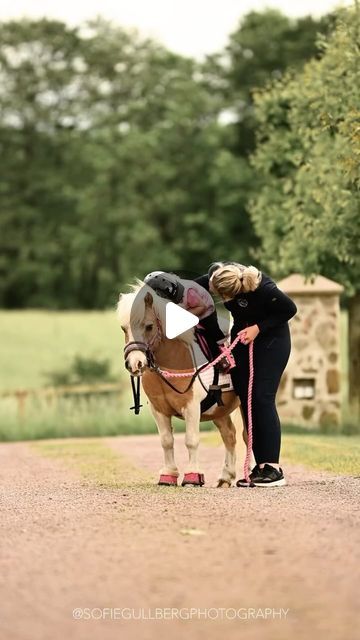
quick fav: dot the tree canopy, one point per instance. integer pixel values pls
(115, 157)
(307, 211)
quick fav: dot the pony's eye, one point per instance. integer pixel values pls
(148, 327)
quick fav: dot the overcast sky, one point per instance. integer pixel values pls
(190, 27)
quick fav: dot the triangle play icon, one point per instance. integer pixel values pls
(178, 320)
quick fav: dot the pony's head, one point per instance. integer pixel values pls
(142, 316)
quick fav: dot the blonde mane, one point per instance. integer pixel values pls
(131, 308)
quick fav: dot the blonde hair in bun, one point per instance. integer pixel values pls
(231, 279)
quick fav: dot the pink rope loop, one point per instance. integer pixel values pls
(174, 374)
(170, 374)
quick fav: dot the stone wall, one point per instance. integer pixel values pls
(314, 365)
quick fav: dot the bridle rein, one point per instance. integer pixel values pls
(146, 349)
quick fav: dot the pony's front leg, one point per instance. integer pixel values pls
(169, 472)
(191, 415)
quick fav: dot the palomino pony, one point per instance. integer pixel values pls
(148, 352)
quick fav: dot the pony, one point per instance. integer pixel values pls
(148, 353)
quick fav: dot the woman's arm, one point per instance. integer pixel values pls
(279, 306)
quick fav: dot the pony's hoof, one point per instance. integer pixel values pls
(196, 479)
(224, 484)
(167, 481)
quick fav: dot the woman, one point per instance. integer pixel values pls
(261, 313)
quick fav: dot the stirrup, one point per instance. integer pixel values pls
(216, 390)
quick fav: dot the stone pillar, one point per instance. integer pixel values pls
(310, 392)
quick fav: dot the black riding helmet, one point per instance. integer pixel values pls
(166, 285)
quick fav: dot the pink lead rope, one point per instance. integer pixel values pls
(250, 424)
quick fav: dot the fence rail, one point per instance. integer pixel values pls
(53, 393)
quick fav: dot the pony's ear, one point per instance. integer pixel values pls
(148, 299)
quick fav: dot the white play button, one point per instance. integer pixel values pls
(177, 320)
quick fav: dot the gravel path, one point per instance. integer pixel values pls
(66, 543)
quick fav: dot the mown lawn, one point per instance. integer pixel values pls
(33, 343)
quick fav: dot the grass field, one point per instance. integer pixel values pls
(98, 416)
(34, 343)
(95, 462)
(334, 453)
(98, 464)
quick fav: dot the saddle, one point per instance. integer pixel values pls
(212, 380)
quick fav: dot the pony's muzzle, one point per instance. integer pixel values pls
(135, 363)
(135, 371)
(135, 357)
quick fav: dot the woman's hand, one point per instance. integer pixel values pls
(249, 334)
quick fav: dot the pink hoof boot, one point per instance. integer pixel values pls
(167, 481)
(196, 479)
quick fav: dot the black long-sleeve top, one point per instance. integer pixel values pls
(267, 306)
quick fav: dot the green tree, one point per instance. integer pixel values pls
(307, 211)
(113, 164)
(266, 45)
(262, 48)
(36, 61)
(115, 161)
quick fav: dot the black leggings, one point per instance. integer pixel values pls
(271, 353)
